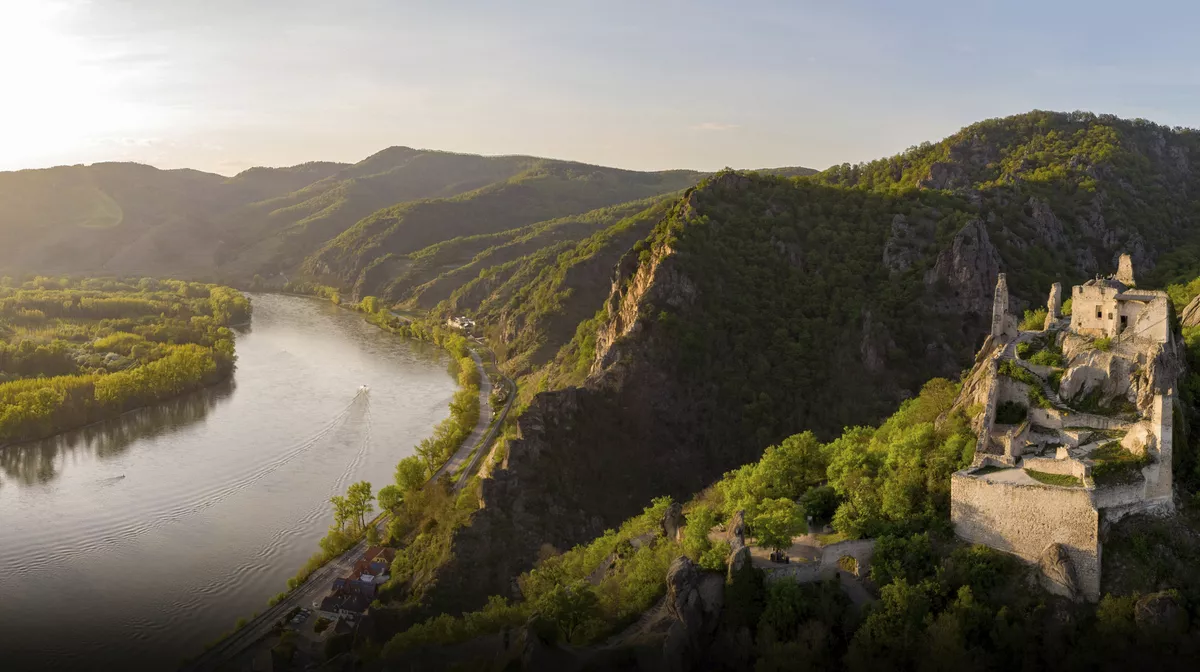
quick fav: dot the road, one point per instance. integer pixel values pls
(464, 451)
(317, 585)
(495, 426)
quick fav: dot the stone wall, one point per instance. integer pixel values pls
(1159, 477)
(862, 550)
(1049, 465)
(1086, 303)
(1025, 519)
(1152, 322)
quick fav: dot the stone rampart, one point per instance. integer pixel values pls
(1024, 519)
(1049, 465)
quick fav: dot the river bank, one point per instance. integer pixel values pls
(137, 578)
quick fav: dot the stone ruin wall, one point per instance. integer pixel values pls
(1159, 477)
(1049, 465)
(1025, 519)
(1152, 322)
(1084, 302)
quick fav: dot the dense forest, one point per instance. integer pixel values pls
(76, 351)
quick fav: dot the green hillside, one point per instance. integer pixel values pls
(379, 248)
(763, 306)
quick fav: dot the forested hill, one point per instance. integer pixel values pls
(124, 218)
(761, 306)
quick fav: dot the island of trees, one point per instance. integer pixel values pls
(73, 352)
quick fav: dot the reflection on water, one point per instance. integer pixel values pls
(36, 462)
(129, 544)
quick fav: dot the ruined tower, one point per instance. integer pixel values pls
(1000, 307)
(1054, 305)
(1125, 271)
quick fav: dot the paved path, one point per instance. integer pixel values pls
(318, 583)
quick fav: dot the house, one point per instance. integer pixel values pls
(334, 606)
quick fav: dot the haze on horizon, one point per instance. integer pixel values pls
(224, 85)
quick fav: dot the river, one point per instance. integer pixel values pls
(131, 543)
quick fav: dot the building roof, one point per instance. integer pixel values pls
(352, 603)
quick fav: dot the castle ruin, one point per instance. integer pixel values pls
(1074, 424)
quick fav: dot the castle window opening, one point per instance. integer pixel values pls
(1099, 313)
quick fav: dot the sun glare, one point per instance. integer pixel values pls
(61, 94)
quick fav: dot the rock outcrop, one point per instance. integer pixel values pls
(1044, 223)
(672, 522)
(1161, 615)
(967, 270)
(1191, 314)
(735, 534)
(1058, 572)
(694, 601)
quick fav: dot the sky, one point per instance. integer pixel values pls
(223, 85)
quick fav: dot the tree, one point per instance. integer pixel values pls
(820, 502)
(389, 497)
(430, 454)
(342, 511)
(778, 521)
(410, 475)
(359, 498)
(568, 607)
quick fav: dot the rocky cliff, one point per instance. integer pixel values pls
(762, 306)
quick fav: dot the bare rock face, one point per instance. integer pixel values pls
(1140, 439)
(672, 521)
(1045, 224)
(1091, 371)
(1161, 614)
(873, 344)
(968, 270)
(1058, 572)
(694, 601)
(1191, 314)
(905, 245)
(736, 529)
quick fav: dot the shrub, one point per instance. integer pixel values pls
(714, 558)
(1047, 358)
(1034, 320)
(1104, 344)
(1038, 398)
(1066, 308)
(1018, 373)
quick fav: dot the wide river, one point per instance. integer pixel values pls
(132, 543)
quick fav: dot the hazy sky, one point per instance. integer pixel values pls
(222, 85)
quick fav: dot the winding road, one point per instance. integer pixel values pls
(225, 652)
